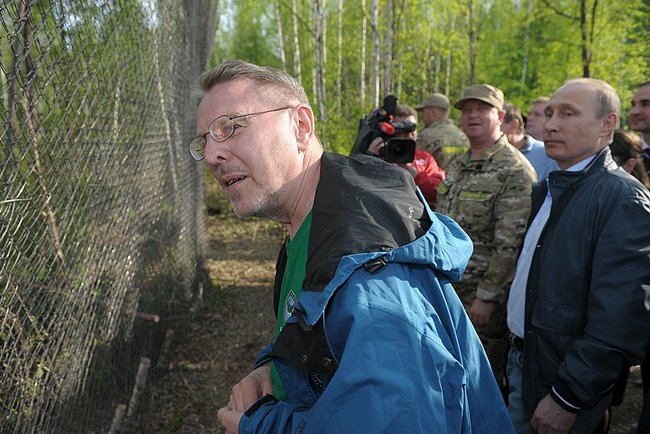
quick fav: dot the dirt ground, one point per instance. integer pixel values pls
(217, 345)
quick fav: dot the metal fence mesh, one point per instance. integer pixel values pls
(101, 209)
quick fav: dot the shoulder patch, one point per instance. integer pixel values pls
(289, 304)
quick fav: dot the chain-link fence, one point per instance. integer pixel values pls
(101, 208)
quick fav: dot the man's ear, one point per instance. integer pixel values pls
(305, 130)
(501, 116)
(519, 125)
(610, 123)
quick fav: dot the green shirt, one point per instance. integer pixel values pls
(294, 274)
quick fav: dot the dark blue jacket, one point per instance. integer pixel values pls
(588, 290)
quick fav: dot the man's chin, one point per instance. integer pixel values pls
(243, 211)
(642, 128)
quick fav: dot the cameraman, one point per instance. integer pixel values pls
(424, 167)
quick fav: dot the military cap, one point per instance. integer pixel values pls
(435, 100)
(482, 92)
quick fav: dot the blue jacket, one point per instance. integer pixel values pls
(379, 342)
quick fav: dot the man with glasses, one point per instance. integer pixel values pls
(370, 336)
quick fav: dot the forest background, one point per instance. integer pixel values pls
(349, 54)
(104, 249)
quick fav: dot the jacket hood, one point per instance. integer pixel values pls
(367, 213)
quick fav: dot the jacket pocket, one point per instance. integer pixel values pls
(558, 318)
(554, 327)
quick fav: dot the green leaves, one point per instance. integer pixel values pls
(527, 48)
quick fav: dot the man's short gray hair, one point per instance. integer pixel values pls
(280, 84)
(606, 99)
(541, 100)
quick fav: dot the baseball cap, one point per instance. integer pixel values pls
(482, 92)
(435, 100)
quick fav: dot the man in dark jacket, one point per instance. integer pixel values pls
(370, 336)
(579, 300)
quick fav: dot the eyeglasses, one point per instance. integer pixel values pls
(221, 129)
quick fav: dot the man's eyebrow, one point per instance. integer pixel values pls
(563, 106)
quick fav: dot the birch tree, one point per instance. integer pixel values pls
(320, 65)
(278, 23)
(362, 66)
(339, 58)
(375, 59)
(388, 44)
(297, 71)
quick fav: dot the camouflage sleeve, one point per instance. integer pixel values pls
(512, 208)
(426, 137)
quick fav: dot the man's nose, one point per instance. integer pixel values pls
(216, 152)
(549, 123)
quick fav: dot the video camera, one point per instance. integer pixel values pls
(379, 123)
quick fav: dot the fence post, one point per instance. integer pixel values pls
(138, 387)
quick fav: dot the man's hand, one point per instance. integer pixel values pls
(375, 146)
(550, 418)
(229, 419)
(480, 312)
(251, 388)
(244, 394)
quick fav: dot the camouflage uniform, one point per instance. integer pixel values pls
(490, 199)
(444, 141)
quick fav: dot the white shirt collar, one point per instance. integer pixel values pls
(581, 165)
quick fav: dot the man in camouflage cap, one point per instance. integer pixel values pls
(487, 191)
(440, 137)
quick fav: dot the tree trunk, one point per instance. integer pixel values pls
(296, 42)
(362, 71)
(472, 41)
(448, 73)
(583, 35)
(436, 80)
(375, 52)
(591, 34)
(163, 108)
(320, 59)
(339, 60)
(524, 62)
(424, 69)
(388, 42)
(30, 107)
(278, 22)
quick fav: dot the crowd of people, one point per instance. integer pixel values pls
(499, 282)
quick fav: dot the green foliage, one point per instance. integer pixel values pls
(250, 33)
(525, 47)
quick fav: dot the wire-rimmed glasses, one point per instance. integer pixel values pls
(221, 129)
